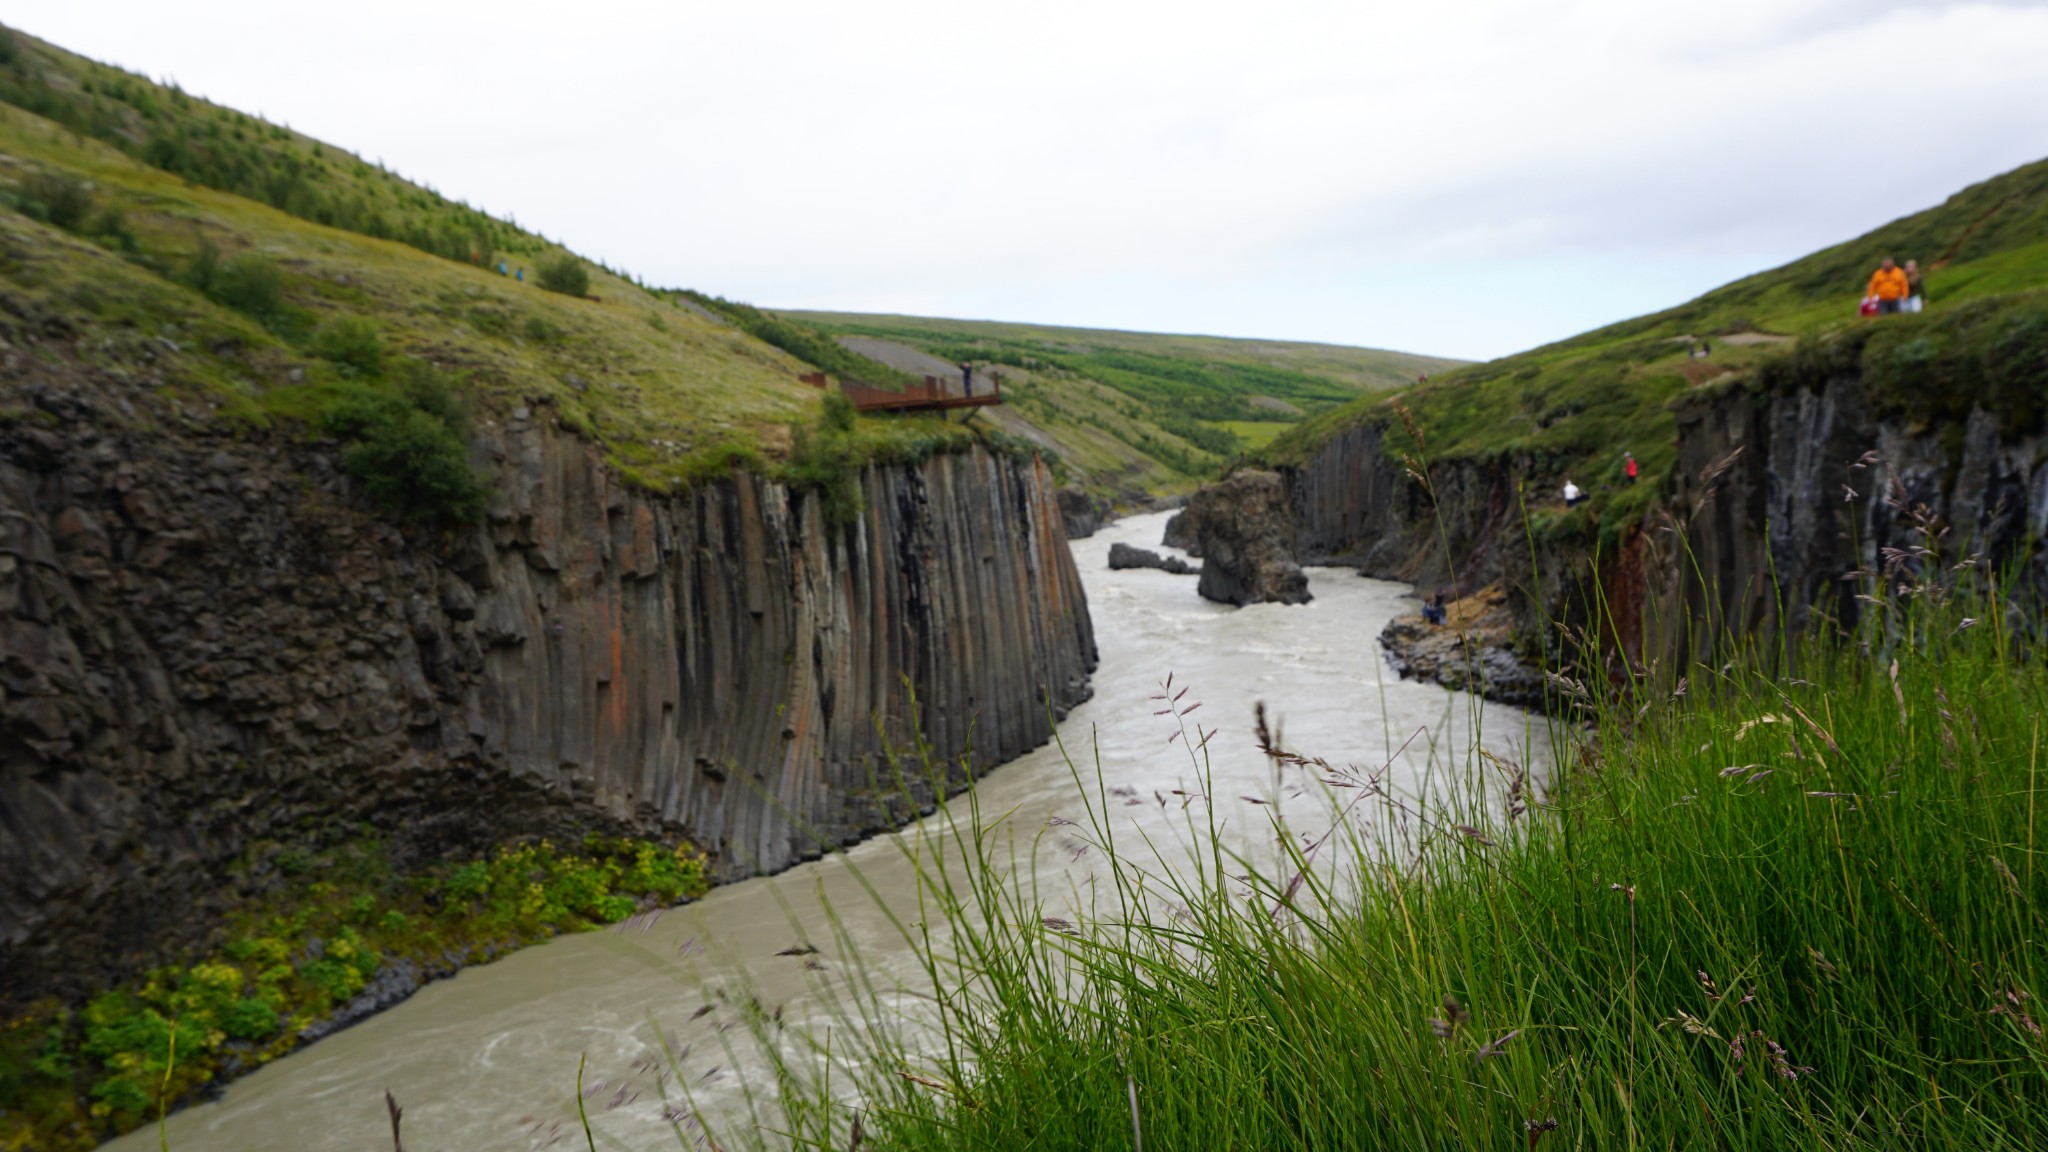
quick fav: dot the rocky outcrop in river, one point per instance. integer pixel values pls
(1244, 529)
(209, 651)
(1122, 556)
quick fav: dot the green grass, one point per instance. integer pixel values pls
(1768, 912)
(237, 306)
(1255, 434)
(70, 1076)
(1573, 407)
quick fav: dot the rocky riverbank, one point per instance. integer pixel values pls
(1474, 649)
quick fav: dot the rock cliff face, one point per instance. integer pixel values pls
(1783, 494)
(1778, 495)
(1084, 514)
(1245, 533)
(207, 650)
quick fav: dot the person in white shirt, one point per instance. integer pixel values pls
(1572, 494)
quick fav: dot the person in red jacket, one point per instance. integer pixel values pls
(1628, 466)
(1889, 287)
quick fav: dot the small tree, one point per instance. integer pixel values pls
(565, 274)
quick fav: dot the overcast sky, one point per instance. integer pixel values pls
(1458, 177)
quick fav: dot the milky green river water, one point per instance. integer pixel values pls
(487, 1060)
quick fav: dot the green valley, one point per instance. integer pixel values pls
(1134, 412)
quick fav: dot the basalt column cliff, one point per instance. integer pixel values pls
(206, 648)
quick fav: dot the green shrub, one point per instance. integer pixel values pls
(251, 284)
(58, 199)
(828, 459)
(110, 225)
(539, 330)
(354, 345)
(565, 274)
(407, 447)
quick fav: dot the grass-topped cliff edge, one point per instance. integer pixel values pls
(1571, 409)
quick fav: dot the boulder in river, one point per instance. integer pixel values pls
(1245, 530)
(1123, 556)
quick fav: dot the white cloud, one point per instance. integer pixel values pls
(1457, 177)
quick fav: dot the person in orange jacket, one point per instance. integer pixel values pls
(1890, 286)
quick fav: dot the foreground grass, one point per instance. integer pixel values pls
(1792, 912)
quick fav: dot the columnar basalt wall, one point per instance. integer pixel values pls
(1778, 496)
(209, 651)
(1788, 502)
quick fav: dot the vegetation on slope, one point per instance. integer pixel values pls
(1574, 407)
(1762, 913)
(233, 294)
(1142, 410)
(70, 1076)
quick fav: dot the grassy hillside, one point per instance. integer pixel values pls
(257, 275)
(1572, 408)
(1135, 409)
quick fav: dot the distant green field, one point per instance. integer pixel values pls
(1256, 434)
(1136, 410)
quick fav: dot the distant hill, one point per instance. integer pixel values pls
(141, 213)
(1575, 406)
(1133, 411)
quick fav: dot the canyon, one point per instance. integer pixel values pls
(213, 655)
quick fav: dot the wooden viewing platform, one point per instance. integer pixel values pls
(934, 395)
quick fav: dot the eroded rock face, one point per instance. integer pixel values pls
(208, 650)
(1177, 535)
(1245, 528)
(1083, 514)
(1122, 556)
(1775, 497)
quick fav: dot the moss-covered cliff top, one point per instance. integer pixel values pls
(1574, 407)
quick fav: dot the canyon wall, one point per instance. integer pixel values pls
(1788, 501)
(1779, 494)
(209, 652)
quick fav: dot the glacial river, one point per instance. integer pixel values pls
(487, 1060)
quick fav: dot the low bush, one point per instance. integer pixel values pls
(828, 460)
(564, 274)
(56, 198)
(406, 443)
(353, 344)
(250, 283)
